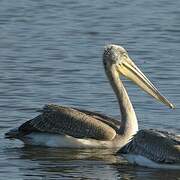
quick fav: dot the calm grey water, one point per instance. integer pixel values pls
(50, 52)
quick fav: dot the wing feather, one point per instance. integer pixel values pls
(73, 122)
(159, 146)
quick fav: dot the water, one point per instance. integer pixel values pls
(50, 52)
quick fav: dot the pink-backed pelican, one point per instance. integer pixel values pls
(65, 127)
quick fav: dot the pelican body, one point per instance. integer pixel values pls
(153, 148)
(65, 127)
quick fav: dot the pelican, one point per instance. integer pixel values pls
(66, 127)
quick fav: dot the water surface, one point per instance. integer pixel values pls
(50, 52)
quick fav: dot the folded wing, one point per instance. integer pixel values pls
(73, 122)
(159, 146)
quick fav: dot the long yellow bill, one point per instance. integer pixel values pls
(132, 72)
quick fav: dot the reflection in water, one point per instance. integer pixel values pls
(51, 162)
(67, 163)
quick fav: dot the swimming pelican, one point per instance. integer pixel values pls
(153, 148)
(59, 126)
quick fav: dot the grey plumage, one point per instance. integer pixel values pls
(73, 122)
(158, 146)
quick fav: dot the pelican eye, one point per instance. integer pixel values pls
(125, 56)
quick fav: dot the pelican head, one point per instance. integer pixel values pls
(117, 61)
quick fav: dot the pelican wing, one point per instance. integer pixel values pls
(115, 124)
(159, 146)
(72, 122)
